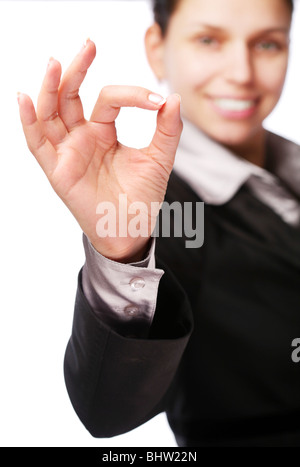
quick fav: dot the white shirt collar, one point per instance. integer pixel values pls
(216, 174)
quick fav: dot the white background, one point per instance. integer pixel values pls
(41, 250)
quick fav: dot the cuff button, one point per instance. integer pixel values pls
(131, 310)
(137, 283)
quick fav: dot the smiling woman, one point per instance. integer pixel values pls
(202, 334)
(229, 73)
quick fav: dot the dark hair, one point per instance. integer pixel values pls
(163, 10)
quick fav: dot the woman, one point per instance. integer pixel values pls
(206, 334)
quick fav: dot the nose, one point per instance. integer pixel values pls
(239, 69)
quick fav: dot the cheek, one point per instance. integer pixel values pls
(271, 78)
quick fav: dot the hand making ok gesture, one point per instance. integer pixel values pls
(84, 161)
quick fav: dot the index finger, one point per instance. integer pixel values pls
(112, 98)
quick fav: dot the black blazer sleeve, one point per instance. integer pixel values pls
(117, 383)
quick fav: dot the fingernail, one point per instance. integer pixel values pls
(50, 61)
(157, 99)
(85, 43)
(178, 96)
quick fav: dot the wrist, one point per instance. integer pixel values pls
(132, 254)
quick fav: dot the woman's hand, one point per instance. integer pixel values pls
(83, 160)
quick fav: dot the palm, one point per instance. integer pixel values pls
(91, 154)
(90, 157)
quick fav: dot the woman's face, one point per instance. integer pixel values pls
(227, 59)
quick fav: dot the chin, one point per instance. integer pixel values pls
(232, 140)
(233, 134)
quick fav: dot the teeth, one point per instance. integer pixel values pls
(234, 104)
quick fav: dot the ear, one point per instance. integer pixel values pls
(154, 44)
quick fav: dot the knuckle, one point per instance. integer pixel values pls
(167, 133)
(138, 93)
(72, 95)
(49, 118)
(106, 91)
(38, 144)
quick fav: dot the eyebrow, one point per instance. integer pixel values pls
(222, 30)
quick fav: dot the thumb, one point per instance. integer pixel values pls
(168, 131)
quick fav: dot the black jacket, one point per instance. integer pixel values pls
(218, 357)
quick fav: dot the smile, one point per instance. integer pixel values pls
(235, 105)
(231, 108)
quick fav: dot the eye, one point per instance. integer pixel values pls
(267, 46)
(207, 41)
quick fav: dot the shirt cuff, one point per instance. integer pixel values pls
(123, 296)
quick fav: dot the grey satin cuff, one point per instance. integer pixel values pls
(122, 295)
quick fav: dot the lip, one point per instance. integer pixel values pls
(234, 107)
